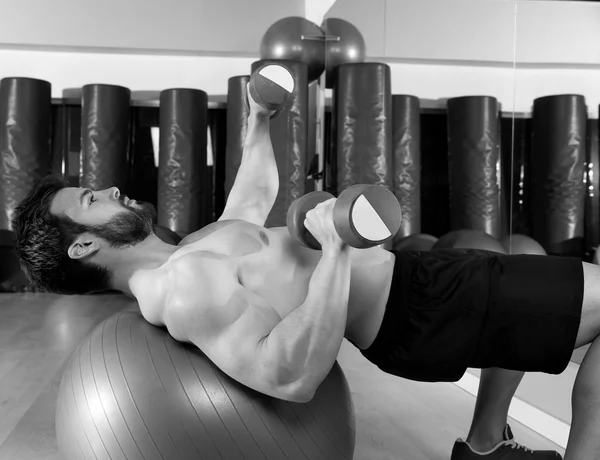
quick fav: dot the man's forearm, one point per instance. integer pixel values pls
(306, 343)
(257, 174)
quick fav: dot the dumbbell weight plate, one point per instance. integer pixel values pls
(367, 215)
(271, 86)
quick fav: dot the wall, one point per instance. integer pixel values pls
(551, 32)
(432, 83)
(179, 26)
(548, 32)
(483, 31)
(139, 72)
(431, 77)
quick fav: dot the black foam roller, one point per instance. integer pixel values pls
(362, 126)
(289, 135)
(557, 173)
(24, 140)
(312, 159)
(406, 140)
(217, 121)
(515, 187)
(105, 137)
(58, 137)
(237, 124)
(592, 196)
(473, 163)
(182, 169)
(12, 278)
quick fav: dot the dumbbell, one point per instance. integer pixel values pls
(364, 216)
(272, 87)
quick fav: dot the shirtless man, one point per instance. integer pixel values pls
(273, 314)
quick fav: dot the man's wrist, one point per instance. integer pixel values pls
(334, 251)
(258, 117)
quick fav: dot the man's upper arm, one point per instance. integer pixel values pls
(257, 180)
(254, 210)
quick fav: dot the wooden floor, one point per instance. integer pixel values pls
(396, 419)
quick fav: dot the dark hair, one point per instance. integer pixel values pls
(43, 240)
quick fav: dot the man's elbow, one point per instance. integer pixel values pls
(297, 392)
(304, 397)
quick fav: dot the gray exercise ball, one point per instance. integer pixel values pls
(415, 242)
(522, 244)
(295, 39)
(469, 239)
(132, 392)
(345, 45)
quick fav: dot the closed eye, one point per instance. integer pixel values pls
(84, 195)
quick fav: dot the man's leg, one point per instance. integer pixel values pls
(584, 441)
(558, 286)
(496, 390)
(584, 438)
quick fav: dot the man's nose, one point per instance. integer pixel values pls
(113, 193)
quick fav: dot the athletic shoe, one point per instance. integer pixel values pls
(508, 449)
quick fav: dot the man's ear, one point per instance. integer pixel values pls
(85, 245)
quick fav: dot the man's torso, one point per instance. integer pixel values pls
(271, 264)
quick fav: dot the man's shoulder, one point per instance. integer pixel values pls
(200, 283)
(200, 271)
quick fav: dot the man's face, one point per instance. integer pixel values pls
(107, 214)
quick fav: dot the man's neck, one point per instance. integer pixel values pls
(150, 289)
(138, 271)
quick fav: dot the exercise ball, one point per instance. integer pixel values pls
(469, 239)
(344, 44)
(522, 244)
(296, 39)
(416, 242)
(130, 391)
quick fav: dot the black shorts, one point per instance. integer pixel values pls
(453, 309)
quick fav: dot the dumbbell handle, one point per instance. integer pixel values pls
(297, 215)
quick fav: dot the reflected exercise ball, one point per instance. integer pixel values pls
(469, 239)
(344, 44)
(522, 244)
(415, 242)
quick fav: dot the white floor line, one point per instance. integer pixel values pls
(546, 425)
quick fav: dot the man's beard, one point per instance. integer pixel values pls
(130, 227)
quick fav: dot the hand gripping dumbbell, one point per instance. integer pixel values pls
(272, 87)
(364, 216)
